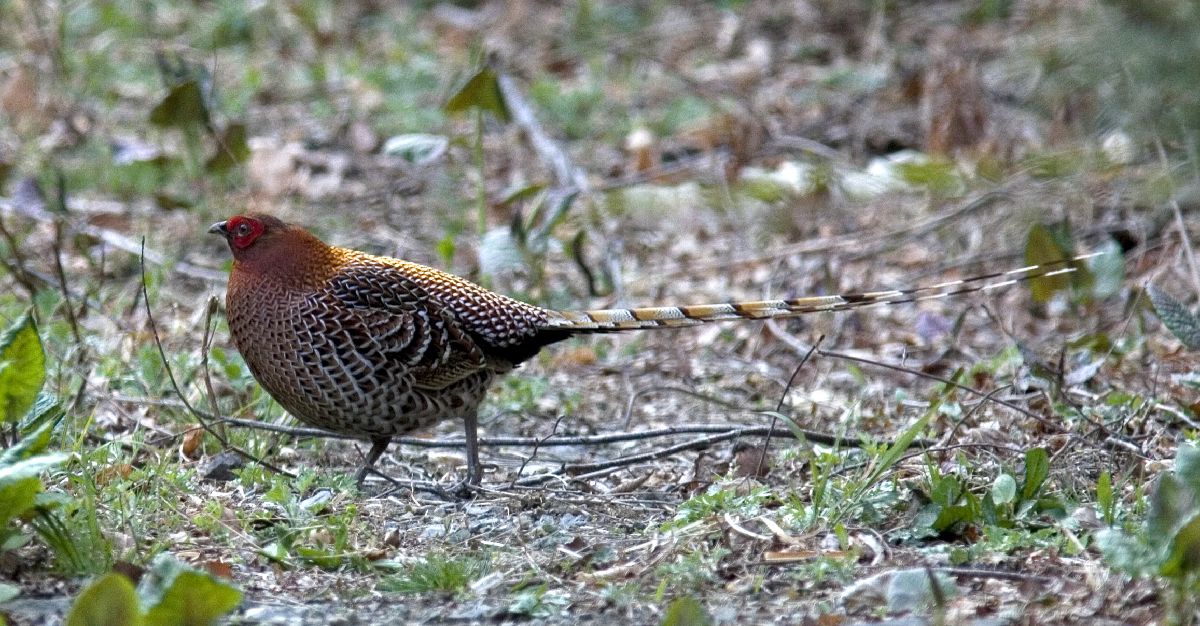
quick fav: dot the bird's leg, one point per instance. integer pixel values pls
(474, 471)
(378, 447)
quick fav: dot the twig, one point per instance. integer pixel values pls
(533, 453)
(205, 345)
(633, 459)
(1188, 252)
(162, 355)
(116, 240)
(568, 176)
(61, 275)
(581, 440)
(17, 267)
(779, 407)
(943, 380)
(977, 572)
(627, 419)
(824, 244)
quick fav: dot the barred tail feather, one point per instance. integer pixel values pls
(614, 320)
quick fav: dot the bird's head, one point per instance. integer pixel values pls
(266, 242)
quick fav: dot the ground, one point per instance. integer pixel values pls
(1004, 443)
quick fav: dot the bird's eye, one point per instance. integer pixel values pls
(243, 229)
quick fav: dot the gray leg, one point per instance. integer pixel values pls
(378, 447)
(471, 428)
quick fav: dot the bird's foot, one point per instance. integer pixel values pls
(462, 490)
(465, 489)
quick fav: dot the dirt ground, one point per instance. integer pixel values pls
(716, 153)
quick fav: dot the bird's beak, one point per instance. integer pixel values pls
(219, 229)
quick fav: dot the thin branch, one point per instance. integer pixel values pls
(580, 440)
(779, 407)
(946, 381)
(632, 459)
(117, 240)
(17, 267)
(61, 275)
(533, 453)
(569, 177)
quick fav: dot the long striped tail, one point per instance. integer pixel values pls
(611, 320)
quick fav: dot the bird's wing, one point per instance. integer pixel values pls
(393, 323)
(497, 322)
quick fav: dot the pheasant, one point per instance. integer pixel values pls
(375, 347)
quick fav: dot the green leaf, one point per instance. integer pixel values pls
(686, 611)
(1037, 468)
(893, 453)
(16, 497)
(33, 443)
(232, 149)
(945, 491)
(29, 468)
(417, 148)
(1181, 322)
(951, 515)
(183, 106)
(8, 592)
(110, 601)
(939, 176)
(1105, 498)
(1042, 247)
(22, 368)
(1107, 269)
(913, 589)
(1187, 466)
(1170, 504)
(481, 92)
(1004, 489)
(1184, 554)
(445, 249)
(178, 595)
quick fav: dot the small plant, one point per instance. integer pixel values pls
(27, 422)
(1007, 504)
(686, 611)
(169, 594)
(1167, 545)
(539, 601)
(690, 571)
(437, 574)
(717, 499)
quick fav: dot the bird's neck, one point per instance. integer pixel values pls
(287, 268)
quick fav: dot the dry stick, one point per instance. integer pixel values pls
(1188, 253)
(61, 275)
(975, 572)
(627, 419)
(17, 267)
(533, 453)
(823, 244)
(779, 407)
(205, 345)
(117, 240)
(568, 176)
(1112, 440)
(581, 440)
(632, 459)
(162, 355)
(943, 380)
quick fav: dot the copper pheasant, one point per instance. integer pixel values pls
(375, 347)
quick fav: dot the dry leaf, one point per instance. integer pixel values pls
(193, 441)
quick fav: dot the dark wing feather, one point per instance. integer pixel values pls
(501, 327)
